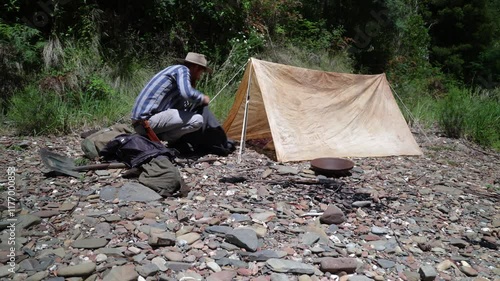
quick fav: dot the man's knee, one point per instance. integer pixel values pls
(196, 121)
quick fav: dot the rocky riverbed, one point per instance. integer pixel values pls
(433, 217)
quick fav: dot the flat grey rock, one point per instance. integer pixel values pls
(129, 192)
(245, 238)
(122, 273)
(288, 266)
(379, 230)
(80, 270)
(91, 243)
(218, 229)
(279, 277)
(263, 255)
(386, 263)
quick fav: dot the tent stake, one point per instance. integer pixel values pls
(245, 117)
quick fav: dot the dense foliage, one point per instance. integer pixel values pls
(69, 62)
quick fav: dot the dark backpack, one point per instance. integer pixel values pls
(134, 150)
(210, 139)
(95, 142)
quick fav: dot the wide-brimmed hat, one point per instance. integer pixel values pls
(198, 59)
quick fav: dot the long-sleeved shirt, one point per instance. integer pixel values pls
(169, 88)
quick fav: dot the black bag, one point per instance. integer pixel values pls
(210, 139)
(134, 150)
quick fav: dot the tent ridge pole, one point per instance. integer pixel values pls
(245, 116)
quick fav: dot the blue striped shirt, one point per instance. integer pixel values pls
(169, 88)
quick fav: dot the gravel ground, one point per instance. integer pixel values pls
(433, 217)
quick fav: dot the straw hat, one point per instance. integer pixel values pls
(198, 59)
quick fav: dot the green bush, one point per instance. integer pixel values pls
(453, 113)
(97, 89)
(472, 114)
(38, 113)
(483, 125)
(20, 48)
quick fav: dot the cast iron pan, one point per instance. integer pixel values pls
(332, 167)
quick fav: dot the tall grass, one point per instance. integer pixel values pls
(473, 114)
(457, 112)
(77, 90)
(313, 59)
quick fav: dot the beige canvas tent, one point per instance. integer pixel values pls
(311, 114)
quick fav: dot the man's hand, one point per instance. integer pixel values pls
(206, 100)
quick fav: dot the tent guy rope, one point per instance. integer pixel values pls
(409, 113)
(230, 80)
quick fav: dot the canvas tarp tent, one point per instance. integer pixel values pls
(311, 114)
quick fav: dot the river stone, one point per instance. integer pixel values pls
(60, 252)
(444, 265)
(286, 170)
(226, 275)
(427, 273)
(218, 229)
(259, 230)
(379, 230)
(359, 278)
(288, 266)
(361, 203)
(101, 258)
(411, 276)
(189, 275)
(304, 278)
(386, 263)
(108, 193)
(335, 265)
(25, 221)
(279, 277)
(460, 243)
(90, 243)
(263, 255)
(38, 276)
(231, 262)
(132, 191)
(469, 271)
(240, 218)
(447, 190)
(245, 238)
(102, 229)
(122, 273)
(160, 263)
(264, 216)
(115, 252)
(68, 206)
(332, 215)
(6, 270)
(129, 192)
(46, 213)
(190, 238)
(173, 256)
(34, 265)
(158, 237)
(80, 270)
(214, 266)
(310, 238)
(178, 266)
(148, 269)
